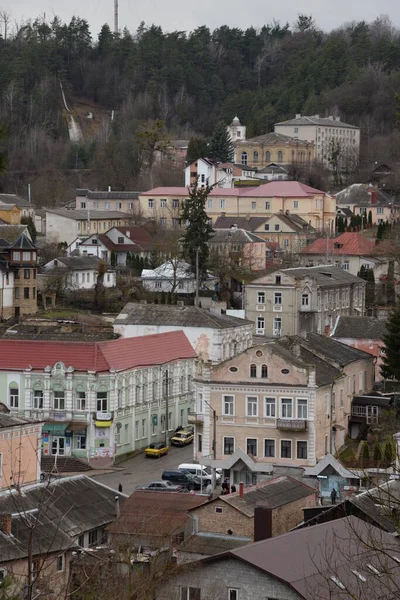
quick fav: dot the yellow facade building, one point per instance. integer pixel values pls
(10, 213)
(270, 148)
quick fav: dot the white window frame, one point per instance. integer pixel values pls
(260, 324)
(295, 204)
(59, 401)
(163, 203)
(260, 297)
(222, 203)
(301, 416)
(269, 407)
(228, 414)
(268, 205)
(305, 299)
(278, 298)
(37, 400)
(150, 204)
(251, 401)
(282, 405)
(233, 594)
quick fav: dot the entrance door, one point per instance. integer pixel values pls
(58, 445)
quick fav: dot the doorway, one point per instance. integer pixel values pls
(58, 445)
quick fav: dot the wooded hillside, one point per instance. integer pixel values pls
(189, 81)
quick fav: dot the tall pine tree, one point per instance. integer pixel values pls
(221, 146)
(198, 229)
(390, 368)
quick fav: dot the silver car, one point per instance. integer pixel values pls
(163, 486)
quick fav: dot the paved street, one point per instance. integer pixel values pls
(139, 470)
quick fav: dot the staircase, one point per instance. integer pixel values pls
(65, 464)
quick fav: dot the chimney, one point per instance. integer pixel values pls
(298, 116)
(233, 227)
(5, 523)
(327, 330)
(287, 211)
(262, 523)
(128, 234)
(223, 214)
(143, 302)
(331, 117)
(296, 349)
(247, 217)
(109, 188)
(241, 489)
(117, 507)
(180, 303)
(316, 116)
(337, 119)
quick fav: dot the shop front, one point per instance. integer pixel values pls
(56, 439)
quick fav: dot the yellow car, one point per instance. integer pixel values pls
(156, 450)
(182, 438)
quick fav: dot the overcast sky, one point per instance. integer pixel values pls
(183, 15)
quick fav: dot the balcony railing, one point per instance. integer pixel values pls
(195, 418)
(291, 424)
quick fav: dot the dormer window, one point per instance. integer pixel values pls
(120, 240)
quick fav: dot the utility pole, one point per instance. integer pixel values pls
(197, 277)
(116, 17)
(166, 408)
(327, 242)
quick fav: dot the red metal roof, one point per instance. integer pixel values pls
(121, 354)
(349, 243)
(283, 189)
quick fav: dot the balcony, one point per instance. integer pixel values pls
(196, 419)
(291, 424)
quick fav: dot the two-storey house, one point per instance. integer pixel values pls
(100, 399)
(286, 402)
(365, 198)
(20, 275)
(243, 247)
(293, 301)
(125, 202)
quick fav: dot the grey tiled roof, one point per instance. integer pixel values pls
(82, 215)
(68, 507)
(182, 316)
(14, 199)
(359, 328)
(295, 222)
(273, 493)
(269, 139)
(238, 236)
(247, 223)
(325, 275)
(80, 263)
(314, 120)
(113, 195)
(333, 350)
(210, 544)
(8, 420)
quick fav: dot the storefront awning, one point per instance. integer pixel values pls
(55, 428)
(103, 423)
(77, 426)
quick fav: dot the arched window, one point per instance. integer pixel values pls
(264, 371)
(253, 370)
(255, 156)
(280, 156)
(268, 156)
(244, 158)
(14, 395)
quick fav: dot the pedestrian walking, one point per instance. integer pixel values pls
(333, 495)
(120, 488)
(233, 488)
(225, 487)
(209, 491)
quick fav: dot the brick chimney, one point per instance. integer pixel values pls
(5, 523)
(241, 489)
(327, 330)
(262, 523)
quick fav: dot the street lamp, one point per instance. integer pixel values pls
(214, 442)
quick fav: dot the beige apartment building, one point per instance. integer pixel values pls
(63, 225)
(316, 207)
(283, 402)
(295, 301)
(323, 131)
(126, 202)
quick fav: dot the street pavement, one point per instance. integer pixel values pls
(139, 471)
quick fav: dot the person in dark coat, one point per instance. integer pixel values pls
(120, 488)
(333, 495)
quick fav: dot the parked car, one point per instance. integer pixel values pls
(163, 486)
(186, 480)
(203, 473)
(182, 438)
(156, 450)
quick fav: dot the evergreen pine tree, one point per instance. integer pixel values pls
(221, 146)
(128, 259)
(379, 231)
(31, 227)
(198, 229)
(113, 258)
(364, 453)
(370, 218)
(390, 368)
(197, 148)
(388, 455)
(377, 453)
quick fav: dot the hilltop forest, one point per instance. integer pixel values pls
(164, 86)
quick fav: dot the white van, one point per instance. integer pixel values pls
(204, 473)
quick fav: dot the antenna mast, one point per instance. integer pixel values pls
(116, 16)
